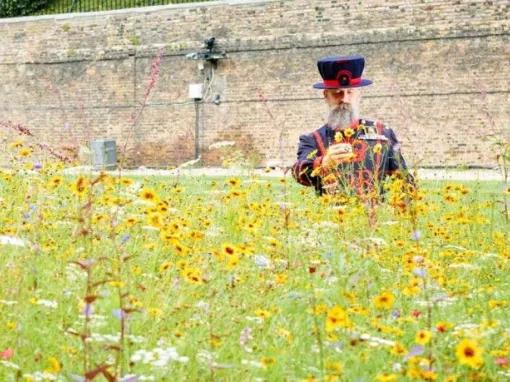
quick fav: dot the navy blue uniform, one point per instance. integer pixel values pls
(376, 152)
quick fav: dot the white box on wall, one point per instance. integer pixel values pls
(195, 91)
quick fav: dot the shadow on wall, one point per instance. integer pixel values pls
(158, 154)
(240, 150)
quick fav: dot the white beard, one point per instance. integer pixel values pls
(342, 116)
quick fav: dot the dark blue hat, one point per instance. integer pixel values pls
(341, 72)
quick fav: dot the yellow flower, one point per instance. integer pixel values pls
(443, 326)
(165, 266)
(281, 278)
(155, 312)
(232, 261)
(398, 349)
(385, 377)
(228, 249)
(284, 333)
(377, 148)
(423, 337)
(319, 309)
(25, 151)
(336, 318)
(180, 249)
(81, 186)
(16, 144)
(54, 367)
(131, 221)
(348, 132)
(334, 367)
(497, 304)
(312, 154)
(148, 194)
(192, 275)
(384, 301)
(55, 181)
(155, 220)
(263, 313)
(117, 284)
(469, 353)
(267, 361)
(11, 325)
(233, 182)
(215, 341)
(338, 137)
(126, 181)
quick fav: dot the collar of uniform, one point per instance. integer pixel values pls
(356, 125)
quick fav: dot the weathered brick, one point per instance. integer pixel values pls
(440, 71)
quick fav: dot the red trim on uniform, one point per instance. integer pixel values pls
(320, 144)
(336, 83)
(379, 126)
(300, 175)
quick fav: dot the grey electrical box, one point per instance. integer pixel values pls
(104, 154)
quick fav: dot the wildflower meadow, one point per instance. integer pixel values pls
(116, 278)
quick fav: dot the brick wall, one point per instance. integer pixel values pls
(440, 70)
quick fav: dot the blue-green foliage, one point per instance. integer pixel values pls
(13, 8)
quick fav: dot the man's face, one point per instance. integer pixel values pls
(335, 97)
(344, 107)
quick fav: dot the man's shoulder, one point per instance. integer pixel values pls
(321, 130)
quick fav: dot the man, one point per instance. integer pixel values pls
(348, 154)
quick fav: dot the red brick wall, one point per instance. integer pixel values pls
(440, 72)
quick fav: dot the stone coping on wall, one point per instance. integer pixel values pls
(130, 11)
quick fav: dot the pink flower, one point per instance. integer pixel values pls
(501, 361)
(7, 354)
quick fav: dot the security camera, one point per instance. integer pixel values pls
(209, 43)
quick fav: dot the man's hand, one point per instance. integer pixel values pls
(337, 154)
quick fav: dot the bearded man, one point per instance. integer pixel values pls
(348, 154)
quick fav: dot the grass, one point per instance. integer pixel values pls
(248, 278)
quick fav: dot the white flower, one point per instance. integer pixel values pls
(190, 163)
(150, 228)
(376, 240)
(9, 365)
(375, 341)
(40, 376)
(202, 305)
(252, 363)
(220, 144)
(464, 266)
(11, 240)
(47, 303)
(262, 261)
(158, 357)
(7, 302)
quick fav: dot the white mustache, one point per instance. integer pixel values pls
(343, 106)
(341, 116)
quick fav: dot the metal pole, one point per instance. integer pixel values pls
(197, 128)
